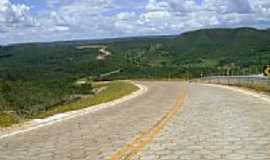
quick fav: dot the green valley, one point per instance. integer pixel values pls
(35, 77)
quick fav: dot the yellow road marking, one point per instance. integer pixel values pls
(129, 151)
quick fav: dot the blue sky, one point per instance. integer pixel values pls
(53, 20)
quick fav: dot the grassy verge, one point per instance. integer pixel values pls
(114, 90)
(257, 88)
(7, 120)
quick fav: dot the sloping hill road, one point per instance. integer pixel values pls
(173, 120)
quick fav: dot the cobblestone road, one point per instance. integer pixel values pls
(95, 136)
(214, 124)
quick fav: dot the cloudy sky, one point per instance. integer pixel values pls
(52, 20)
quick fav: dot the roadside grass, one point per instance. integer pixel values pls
(7, 119)
(114, 90)
(257, 88)
(254, 87)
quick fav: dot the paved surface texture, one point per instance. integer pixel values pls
(215, 124)
(94, 136)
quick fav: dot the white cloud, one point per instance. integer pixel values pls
(75, 19)
(261, 6)
(14, 16)
(154, 5)
(227, 6)
(15, 22)
(12, 13)
(125, 16)
(177, 16)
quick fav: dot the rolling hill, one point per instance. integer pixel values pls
(39, 75)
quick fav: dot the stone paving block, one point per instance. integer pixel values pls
(217, 124)
(95, 136)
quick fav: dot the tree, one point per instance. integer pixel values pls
(5, 94)
(85, 88)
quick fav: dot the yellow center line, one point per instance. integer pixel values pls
(130, 150)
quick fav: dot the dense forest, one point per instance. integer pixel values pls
(37, 76)
(241, 51)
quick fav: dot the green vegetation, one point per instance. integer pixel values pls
(7, 120)
(109, 91)
(37, 77)
(240, 51)
(114, 90)
(261, 88)
(255, 87)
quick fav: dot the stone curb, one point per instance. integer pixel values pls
(38, 123)
(243, 91)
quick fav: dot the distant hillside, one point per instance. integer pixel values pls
(212, 51)
(43, 73)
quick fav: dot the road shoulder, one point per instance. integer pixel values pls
(38, 123)
(242, 90)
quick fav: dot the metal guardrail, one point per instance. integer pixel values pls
(248, 81)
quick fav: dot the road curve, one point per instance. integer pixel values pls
(213, 124)
(95, 135)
